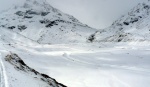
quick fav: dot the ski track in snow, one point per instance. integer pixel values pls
(81, 58)
(67, 57)
(3, 76)
(113, 78)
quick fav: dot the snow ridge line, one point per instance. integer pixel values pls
(4, 79)
(19, 64)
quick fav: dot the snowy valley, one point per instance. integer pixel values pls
(41, 46)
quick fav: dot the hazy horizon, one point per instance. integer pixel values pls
(96, 13)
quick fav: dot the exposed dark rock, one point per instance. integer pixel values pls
(146, 6)
(45, 76)
(2, 25)
(11, 27)
(19, 64)
(119, 40)
(44, 13)
(51, 24)
(60, 21)
(21, 27)
(20, 13)
(126, 23)
(35, 72)
(140, 16)
(91, 38)
(31, 12)
(59, 14)
(28, 17)
(134, 20)
(45, 21)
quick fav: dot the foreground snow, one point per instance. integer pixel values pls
(82, 65)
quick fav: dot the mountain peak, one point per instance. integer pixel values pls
(39, 21)
(38, 5)
(134, 26)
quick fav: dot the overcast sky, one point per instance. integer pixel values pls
(95, 13)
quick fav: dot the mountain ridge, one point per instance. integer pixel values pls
(42, 23)
(133, 26)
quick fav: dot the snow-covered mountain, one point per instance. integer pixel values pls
(26, 63)
(39, 21)
(134, 26)
(29, 24)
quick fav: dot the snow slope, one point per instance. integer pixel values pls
(82, 65)
(41, 22)
(14, 74)
(75, 64)
(134, 26)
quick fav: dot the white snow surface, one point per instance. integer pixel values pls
(74, 62)
(78, 65)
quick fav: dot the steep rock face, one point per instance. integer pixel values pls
(134, 26)
(39, 21)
